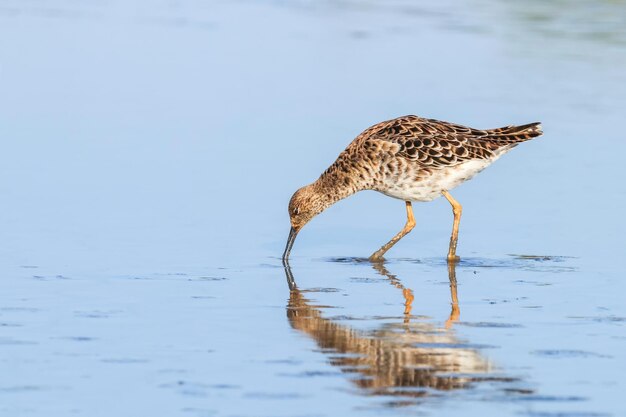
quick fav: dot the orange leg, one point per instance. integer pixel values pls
(410, 224)
(457, 209)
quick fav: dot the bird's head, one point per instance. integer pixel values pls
(305, 204)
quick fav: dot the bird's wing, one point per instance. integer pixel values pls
(436, 143)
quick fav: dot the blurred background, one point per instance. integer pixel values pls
(146, 138)
(174, 131)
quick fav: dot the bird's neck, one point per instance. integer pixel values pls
(335, 184)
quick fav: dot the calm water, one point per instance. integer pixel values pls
(148, 153)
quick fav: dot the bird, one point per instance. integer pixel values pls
(409, 158)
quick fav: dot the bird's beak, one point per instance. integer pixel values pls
(292, 238)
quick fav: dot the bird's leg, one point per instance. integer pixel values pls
(410, 224)
(457, 209)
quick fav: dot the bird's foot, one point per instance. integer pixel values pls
(376, 258)
(453, 259)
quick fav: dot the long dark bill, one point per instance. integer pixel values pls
(292, 238)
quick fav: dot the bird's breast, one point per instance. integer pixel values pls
(419, 184)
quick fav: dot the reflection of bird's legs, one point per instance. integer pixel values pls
(457, 209)
(410, 224)
(408, 303)
(456, 312)
(406, 292)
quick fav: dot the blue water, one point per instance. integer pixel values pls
(149, 150)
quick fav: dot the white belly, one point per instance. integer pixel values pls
(430, 187)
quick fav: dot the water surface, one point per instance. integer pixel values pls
(150, 149)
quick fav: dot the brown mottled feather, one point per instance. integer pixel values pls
(435, 143)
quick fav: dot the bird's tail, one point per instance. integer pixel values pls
(515, 134)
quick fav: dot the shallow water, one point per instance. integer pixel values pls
(150, 149)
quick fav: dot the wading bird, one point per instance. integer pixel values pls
(409, 158)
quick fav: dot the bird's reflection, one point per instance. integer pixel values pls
(407, 359)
